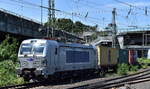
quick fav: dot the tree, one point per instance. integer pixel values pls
(69, 26)
(79, 27)
(64, 24)
(8, 49)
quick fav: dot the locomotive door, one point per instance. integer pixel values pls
(51, 59)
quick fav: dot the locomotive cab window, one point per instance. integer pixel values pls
(38, 49)
(26, 49)
(35, 48)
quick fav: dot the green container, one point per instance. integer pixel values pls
(123, 56)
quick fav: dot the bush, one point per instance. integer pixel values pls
(8, 62)
(8, 74)
(122, 69)
(133, 68)
(8, 49)
(144, 63)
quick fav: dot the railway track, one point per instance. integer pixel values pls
(26, 85)
(138, 77)
(116, 85)
(101, 84)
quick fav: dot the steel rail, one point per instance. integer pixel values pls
(125, 83)
(24, 86)
(103, 84)
(116, 80)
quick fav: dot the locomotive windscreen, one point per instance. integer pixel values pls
(77, 56)
(38, 49)
(26, 49)
(32, 48)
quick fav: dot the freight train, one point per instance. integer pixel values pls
(42, 59)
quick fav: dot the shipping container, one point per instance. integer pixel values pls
(102, 56)
(132, 57)
(107, 56)
(123, 56)
(114, 56)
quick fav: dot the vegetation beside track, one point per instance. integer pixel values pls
(145, 63)
(124, 69)
(8, 62)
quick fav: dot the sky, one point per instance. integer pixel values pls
(90, 12)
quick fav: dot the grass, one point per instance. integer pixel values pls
(125, 69)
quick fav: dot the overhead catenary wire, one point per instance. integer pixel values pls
(130, 5)
(19, 15)
(33, 7)
(88, 12)
(129, 12)
(74, 14)
(97, 5)
(91, 21)
(93, 5)
(68, 13)
(94, 20)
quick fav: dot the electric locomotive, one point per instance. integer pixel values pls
(40, 58)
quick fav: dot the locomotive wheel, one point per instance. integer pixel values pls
(102, 73)
(26, 78)
(33, 80)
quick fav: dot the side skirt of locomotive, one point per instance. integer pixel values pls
(29, 74)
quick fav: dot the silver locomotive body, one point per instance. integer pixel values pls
(46, 57)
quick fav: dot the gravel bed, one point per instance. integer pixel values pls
(143, 85)
(69, 85)
(64, 86)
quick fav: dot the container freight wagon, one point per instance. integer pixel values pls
(123, 56)
(107, 57)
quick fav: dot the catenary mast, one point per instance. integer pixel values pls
(51, 18)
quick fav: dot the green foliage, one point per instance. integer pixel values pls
(70, 26)
(8, 74)
(8, 49)
(8, 62)
(144, 66)
(144, 63)
(133, 68)
(122, 69)
(64, 24)
(94, 36)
